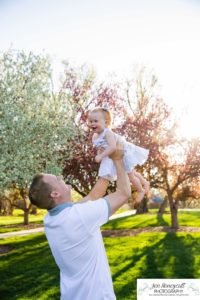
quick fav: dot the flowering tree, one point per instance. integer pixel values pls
(35, 124)
(178, 173)
(81, 88)
(173, 163)
(144, 119)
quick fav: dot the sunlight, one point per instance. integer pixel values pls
(189, 125)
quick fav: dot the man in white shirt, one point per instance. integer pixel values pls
(73, 232)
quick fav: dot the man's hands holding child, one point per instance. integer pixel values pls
(116, 155)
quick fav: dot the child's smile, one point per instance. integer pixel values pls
(97, 122)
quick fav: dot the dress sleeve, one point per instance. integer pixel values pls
(94, 213)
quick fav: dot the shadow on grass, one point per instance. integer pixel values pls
(115, 223)
(137, 221)
(170, 257)
(29, 271)
(126, 222)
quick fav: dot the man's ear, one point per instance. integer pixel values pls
(54, 194)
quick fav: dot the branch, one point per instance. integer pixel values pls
(128, 98)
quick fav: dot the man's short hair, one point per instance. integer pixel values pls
(40, 192)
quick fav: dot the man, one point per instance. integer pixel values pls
(73, 232)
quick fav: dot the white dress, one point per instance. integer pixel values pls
(133, 156)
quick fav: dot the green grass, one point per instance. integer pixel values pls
(152, 255)
(7, 223)
(28, 271)
(186, 218)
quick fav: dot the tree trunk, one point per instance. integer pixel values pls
(7, 208)
(26, 207)
(26, 216)
(163, 206)
(174, 212)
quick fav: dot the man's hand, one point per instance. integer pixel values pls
(118, 153)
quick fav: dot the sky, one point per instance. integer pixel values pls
(113, 36)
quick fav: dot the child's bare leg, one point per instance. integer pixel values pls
(98, 190)
(135, 181)
(143, 181)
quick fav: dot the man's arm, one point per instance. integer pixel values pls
(98, 190)
(123, 190)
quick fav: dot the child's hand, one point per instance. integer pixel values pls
(98, 158)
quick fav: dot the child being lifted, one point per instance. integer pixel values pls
(105, 140)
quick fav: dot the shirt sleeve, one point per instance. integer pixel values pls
(94, 213)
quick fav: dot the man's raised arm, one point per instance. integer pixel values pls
(123, 190)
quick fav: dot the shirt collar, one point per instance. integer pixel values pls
(58, 208)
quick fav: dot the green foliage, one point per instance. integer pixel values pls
(35, 124)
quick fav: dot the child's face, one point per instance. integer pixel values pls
(96, 121)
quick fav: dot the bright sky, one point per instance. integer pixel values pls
(113, 36)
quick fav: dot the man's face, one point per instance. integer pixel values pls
(62, 189)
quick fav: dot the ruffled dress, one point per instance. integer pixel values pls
(133, 156)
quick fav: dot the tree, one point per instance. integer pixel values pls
(35, 124)
(172, 162)
(138, 118)
(140, 114)
(189, 195)
(178, 173)
(84, 92)
(148, 122)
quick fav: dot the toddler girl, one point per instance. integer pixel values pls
(105, 140)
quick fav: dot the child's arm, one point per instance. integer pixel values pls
(110, 149)
(95, 135)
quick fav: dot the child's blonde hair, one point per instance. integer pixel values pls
(106, 113)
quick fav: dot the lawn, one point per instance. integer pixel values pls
(28, 271)
(15, 222)
(152, 219)
(186, 218)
